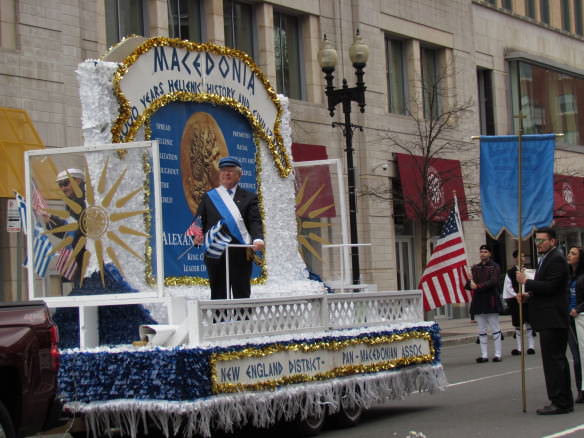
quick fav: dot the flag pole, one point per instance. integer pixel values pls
(520, 116)
(459, 225)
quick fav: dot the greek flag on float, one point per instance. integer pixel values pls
(21, 210)
(216, 241)
(41, 250)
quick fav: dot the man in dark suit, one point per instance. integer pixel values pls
(547, 295)
(233, 213)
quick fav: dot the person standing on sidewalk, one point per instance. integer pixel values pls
(486, 303)
(576, 262)
(510, 289)
(547, 294)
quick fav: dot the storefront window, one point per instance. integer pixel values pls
(552, 101)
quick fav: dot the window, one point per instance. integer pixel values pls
(288, 57)
(238, 26)
(486, 114)
(530, 8)
(430, 83)
(184, 19)
(551, 100)
(396, 78)
(578, 17)
(544, 11)
(493, 2)
(507, 4)
(123, 18)
(566, 19)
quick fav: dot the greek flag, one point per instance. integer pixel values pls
(41, 250)
(216, 241)
(21, 210)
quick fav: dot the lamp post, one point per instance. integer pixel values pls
(327, 58)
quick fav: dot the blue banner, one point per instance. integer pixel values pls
(499, 187)
(193, 137)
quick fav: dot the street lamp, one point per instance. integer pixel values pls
(327, 58)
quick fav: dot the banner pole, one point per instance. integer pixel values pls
(520, 116)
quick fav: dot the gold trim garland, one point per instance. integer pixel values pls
(333, 345)
(277, 149)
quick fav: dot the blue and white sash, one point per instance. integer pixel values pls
(230, 214)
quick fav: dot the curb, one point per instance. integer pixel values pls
(468, 339)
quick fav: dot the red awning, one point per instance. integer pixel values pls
(444, 180)
(568, 201)
(314, 182)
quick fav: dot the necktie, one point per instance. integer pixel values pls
(230, 191)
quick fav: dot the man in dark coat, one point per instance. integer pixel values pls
(231, 213)
(486, 304)
(547, 295)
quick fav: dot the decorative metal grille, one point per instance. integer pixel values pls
(232, 319)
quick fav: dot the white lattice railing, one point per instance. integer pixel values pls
(232, 319)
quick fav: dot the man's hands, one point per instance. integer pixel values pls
(521, 279)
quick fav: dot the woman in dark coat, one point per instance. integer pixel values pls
(575, 333)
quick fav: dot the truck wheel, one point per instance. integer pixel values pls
(6, 427)
(349, 414)
(312, 425)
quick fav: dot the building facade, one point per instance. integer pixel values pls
(490, 59)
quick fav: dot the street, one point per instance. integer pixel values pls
(482, 400)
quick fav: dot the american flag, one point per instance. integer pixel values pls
(61, 265)
(39, 204)
(445, 275)
(196, 228)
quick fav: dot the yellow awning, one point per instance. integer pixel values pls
(17, 135)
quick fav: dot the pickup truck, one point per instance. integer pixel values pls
(29, 363)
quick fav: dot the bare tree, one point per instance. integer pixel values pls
(435, 116)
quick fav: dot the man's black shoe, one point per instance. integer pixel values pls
(553, 410)
(497, 359)
(530, 351)
(482, 359)
(515, 352)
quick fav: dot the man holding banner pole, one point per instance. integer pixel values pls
(516, 186)
(230, 215)
(547, 295)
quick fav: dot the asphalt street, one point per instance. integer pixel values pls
(481, 400)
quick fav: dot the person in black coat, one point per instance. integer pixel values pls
(576, 287)
(240, 264)
(547, 295)
(486, 303)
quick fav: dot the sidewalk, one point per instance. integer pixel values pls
(463, 331)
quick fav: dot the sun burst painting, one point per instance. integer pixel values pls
(96, 212)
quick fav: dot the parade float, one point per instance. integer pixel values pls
(143, 346)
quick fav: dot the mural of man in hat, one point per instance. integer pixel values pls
(229, 214)
(67, 180)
